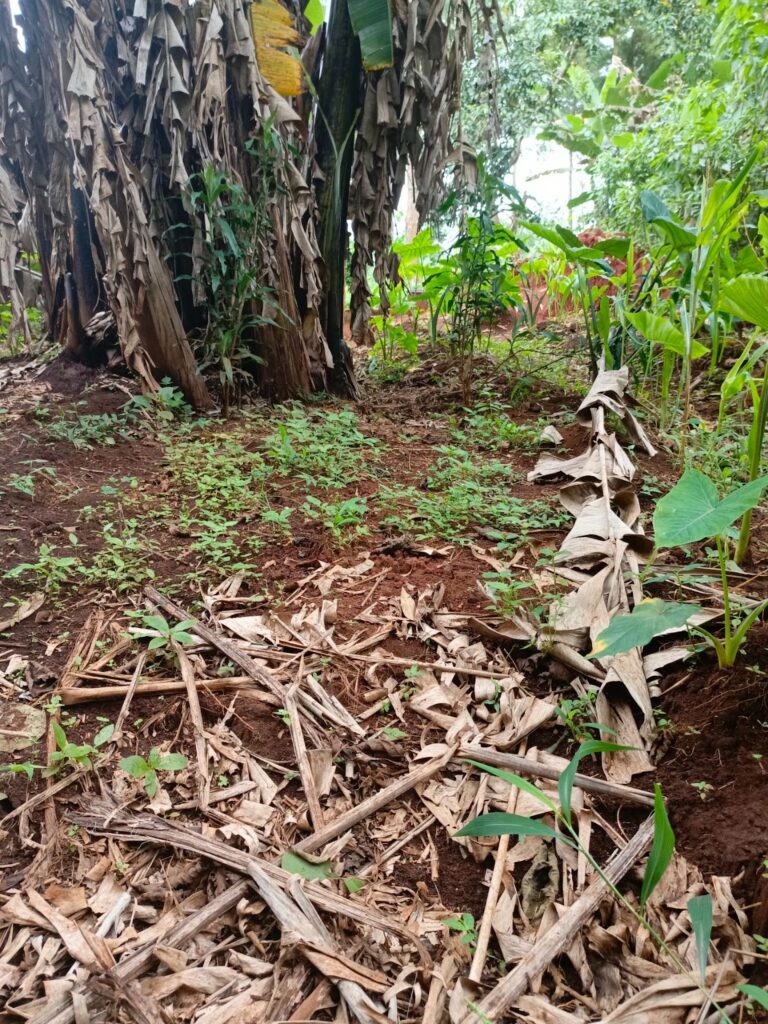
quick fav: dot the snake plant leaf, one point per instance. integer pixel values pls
(372, 24)
(692, 510)
(646, 621)
(663, 332)
(747, 298)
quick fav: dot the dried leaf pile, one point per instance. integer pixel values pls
(306, 880)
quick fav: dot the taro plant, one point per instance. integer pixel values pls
(691, 512)
(747, 298)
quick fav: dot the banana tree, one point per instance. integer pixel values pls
(106, 121)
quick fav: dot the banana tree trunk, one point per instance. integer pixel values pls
(338, 91)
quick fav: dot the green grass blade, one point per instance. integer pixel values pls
(498, 823)
(662, 848)
(516, 780)
(568, 776)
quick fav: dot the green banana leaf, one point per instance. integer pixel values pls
(372, 24)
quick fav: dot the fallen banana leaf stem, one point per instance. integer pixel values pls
(105, 819)
(374, 803)
(141, 960)
(87, 695)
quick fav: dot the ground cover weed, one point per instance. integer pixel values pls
(147, 768)
(344, 519)
(327, 451)
(460, 495)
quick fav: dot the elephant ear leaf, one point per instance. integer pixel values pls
(647, 620)
(747, 298)
(692, 510)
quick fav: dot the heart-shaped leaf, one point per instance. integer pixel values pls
(747, 298)
(663, 332)
(647, 620)
(692, 510)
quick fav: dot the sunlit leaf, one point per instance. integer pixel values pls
(747, 298)
(662, 331)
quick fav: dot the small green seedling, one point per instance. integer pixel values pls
(281, 520)
(77, 755)
(576, 714)
(344, 519)
(146, 769)
(26, 768)
(52, 571)
(162, 634)
(703, 789)
(464, 926)
(284, 715)
(391, 732)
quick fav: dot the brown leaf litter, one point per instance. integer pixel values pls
(182, 908)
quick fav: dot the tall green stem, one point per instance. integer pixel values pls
(756, 437)
(722, 555)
